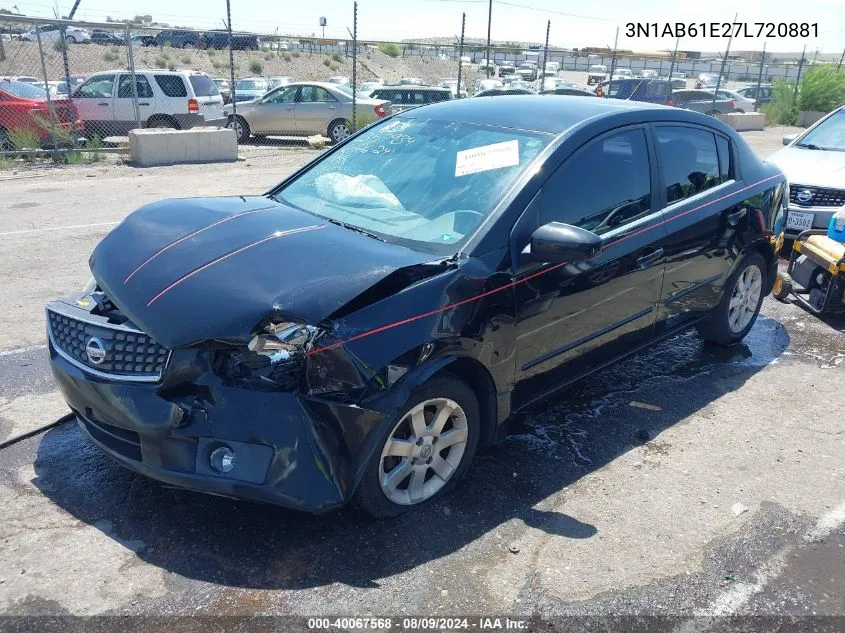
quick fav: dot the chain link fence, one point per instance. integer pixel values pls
(71, 87)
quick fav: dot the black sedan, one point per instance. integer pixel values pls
(362, 329)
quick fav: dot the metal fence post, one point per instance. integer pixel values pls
(231, 65)
(674, 60)
(130, 58)
(354, 64)
(613, 57)
(840, 60)
(50, 106)
(489, 23)
(461, 53)
(760, 78)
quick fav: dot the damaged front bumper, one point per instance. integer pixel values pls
(284, 447)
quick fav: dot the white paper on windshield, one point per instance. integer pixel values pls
(487, 157)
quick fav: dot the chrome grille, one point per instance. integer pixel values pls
(129, 354)
(820, 198)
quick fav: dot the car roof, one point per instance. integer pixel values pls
(539, 113)
(414, 87)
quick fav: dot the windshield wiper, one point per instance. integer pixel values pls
(810, 146)
(357, 229)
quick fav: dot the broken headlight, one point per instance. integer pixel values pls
(281, 341)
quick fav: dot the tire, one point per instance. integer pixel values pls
(438, 395)
(70, 39)
(162, 122)
(187, 46)
(5, 141)
(724, 326)
(782, 288)
(241, 128)
(339, 130)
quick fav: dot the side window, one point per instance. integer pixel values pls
(282, 95)
(143, 87)
(726, 168)
(602, 186)
(314, 94)
(100, 87)
(172, 85)
(689, 161)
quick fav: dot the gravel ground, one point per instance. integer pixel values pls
(682, 486)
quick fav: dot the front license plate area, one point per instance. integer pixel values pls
(799, 221)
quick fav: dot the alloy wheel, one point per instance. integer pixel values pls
(423, 451)
(745, 298)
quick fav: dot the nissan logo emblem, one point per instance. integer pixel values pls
(95, 350)
(804, 196)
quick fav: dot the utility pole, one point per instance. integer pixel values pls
(489, 23)
(798, 80)
(542, 70)
(722, 69)
(461, 52)
(613, 57)
(760, 78)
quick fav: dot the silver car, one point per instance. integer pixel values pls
(304, 109)
(814, 164)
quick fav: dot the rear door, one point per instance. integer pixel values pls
(696, 172)
(124, 106)
(574, 318)
(207, 96)
(274, 113)
(94, 101)
(315, 108)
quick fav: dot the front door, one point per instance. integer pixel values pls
(274, 113)
(315, 109)
(574, 318)
(94, 103)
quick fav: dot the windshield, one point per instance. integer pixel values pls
(23, 90)
(598, 69)
(829, 134)
(251, 84)
(424, 183)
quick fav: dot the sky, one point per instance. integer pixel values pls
(573, 24)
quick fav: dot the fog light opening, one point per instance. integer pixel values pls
(222, 459)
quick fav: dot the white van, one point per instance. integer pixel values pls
(179, 99)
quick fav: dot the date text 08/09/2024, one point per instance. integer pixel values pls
(417, 623)
(722, 29)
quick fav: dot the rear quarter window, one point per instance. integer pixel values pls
(172, 85)
(203, 86)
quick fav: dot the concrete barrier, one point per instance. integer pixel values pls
(156, 146)
(806, 118)
(744, 121)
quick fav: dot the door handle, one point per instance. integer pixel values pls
(734, 218)
(332, 107)
(144, 103)
(647, 260)
(102, 104)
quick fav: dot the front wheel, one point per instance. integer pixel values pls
(425, 451)
(70, 39)
(241, 128)
(735, 315)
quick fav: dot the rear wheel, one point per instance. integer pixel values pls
(735, 315)
(339, 130)
(425, 451)
(162, 122)
(70, 39)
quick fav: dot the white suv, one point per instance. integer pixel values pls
(178, 99)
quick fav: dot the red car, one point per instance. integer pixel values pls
(24, 106)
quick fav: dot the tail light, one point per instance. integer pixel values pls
(193, 105)
(731, 104)
(380, 111)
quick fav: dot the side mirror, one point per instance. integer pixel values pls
(559, 243)
(789, 138)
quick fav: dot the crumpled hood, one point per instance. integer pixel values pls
(189, 270)
(815, 168)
